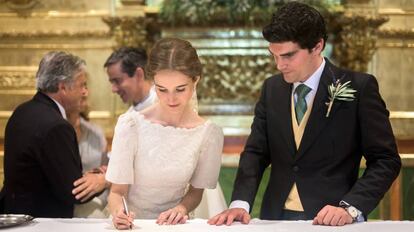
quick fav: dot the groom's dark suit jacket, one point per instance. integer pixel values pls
(41, 161)
(325, 167)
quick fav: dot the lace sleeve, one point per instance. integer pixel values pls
(124, 147)
(209, 163)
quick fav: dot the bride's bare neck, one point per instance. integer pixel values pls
(186, 118)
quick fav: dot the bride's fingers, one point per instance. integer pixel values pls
(163, 217)
(177, 218)
(184, 219)
(171, 217)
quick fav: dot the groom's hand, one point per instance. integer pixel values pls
(332, 216)
(228, 216)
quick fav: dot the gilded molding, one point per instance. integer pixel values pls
(407, 160)
(18, 92)
(402, 115)
(61, 14)
(51, 46)
(48, 34)
(17, 80)
(92, 114)
(5, 114)
(21, 5)
(132, 2)
(395, 45)
(396, 33)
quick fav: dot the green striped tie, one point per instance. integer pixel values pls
(300, 108)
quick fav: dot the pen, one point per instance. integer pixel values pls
(126, 209)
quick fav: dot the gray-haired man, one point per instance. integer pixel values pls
(41, 156)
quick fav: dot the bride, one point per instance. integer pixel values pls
(166, 155)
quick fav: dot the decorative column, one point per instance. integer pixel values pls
(355, 43)
(131, 26)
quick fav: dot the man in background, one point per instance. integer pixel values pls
(41, 156)
(125, 69)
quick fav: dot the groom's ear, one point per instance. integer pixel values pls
(319, 47)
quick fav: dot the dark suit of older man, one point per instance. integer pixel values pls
(41, 160)
(41, 156)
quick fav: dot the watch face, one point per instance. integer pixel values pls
(352, 211)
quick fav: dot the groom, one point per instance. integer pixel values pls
(314, 149)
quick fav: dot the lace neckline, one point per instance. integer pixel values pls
(149, 122)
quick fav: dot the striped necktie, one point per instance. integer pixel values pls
(300, 108)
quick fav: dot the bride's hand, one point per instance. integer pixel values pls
(173, 216)
(122, 221)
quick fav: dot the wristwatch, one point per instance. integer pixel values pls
(351, 210)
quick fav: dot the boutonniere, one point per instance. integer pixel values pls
(340, 92)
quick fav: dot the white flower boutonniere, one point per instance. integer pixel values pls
(340, 92)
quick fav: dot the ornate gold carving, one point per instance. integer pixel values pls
(132, 2)
(17, 80)
(56, 46)
(130, 31)
(397, 33)
(61, 14)
(233, 78)
(21, 4)
(17, 77)
(47, 34)
(21, 7)
(355, 43)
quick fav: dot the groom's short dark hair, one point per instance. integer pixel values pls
(296, 22)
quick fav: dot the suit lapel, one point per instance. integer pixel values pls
(317, 119)
(283, 113)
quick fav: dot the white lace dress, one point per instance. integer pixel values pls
(158, 162)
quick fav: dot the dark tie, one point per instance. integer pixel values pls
(300, 108)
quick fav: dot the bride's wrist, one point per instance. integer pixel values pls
(182, 209)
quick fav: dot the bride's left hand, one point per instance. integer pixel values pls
(173, 216)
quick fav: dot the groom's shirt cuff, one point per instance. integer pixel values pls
(240, 204)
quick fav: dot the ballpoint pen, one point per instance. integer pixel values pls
(126, 209)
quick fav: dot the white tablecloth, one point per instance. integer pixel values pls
(200, 225)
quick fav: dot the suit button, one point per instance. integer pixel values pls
(295, 168)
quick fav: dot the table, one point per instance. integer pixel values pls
(200, 225)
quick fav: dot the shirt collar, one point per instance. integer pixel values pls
(313, 81)
(61, 109)
(149, 100)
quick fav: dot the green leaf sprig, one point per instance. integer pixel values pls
(340, 92)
